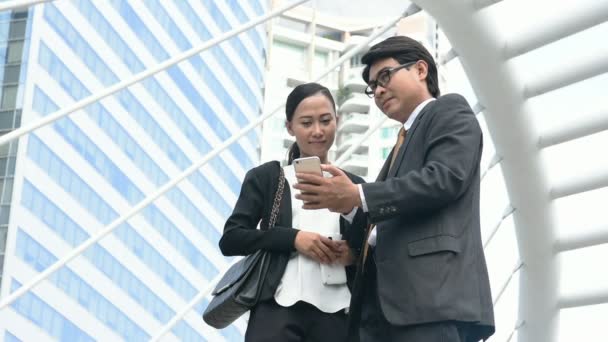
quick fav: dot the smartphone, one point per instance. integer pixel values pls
(308, 165)
(333, 274)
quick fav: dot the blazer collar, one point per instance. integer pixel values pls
(426, 107)
(417, 111)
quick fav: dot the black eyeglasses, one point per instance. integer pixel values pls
(384, 77)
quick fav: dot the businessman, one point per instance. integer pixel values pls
(422, 272)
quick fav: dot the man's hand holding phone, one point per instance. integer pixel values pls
(309, 165)
(338, 193)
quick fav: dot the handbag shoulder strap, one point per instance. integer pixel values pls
(278, 196)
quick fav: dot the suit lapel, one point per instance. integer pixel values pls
(285, 206)
(410, 134)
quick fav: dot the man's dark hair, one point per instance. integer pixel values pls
(403, 49)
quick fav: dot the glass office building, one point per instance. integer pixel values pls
(66, 181)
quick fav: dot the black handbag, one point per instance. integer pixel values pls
(252, 279)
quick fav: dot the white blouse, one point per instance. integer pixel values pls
(323, 286)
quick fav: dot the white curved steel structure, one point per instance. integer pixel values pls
(487, 58)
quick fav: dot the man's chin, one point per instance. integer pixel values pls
(391, 114)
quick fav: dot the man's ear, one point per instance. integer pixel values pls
(423, 70)
(289, 129)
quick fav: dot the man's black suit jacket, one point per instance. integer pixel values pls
(254, 205)
(429, 255)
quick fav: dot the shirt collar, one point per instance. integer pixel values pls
(410, 121)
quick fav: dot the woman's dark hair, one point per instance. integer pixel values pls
(404, 50)
(297, 95)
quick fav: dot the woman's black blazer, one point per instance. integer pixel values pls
(241, 236)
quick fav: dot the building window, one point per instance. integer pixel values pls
(386, 151)
(15, 49)
(9, 97)
(355, 61)
(292, 54)
(389, 132)
(292, 24)
(328, 33)
(17, 30)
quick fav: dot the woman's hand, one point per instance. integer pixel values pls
(345, 255)
(317, 247)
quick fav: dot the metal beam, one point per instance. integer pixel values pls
(130, 213)
(578, 19)
(493, 162)
(583, 299)
(578, 184)
(518, 325)
(571, 242)
(478, 40)
(344, 157)
(480, 4)
(578, 127)
(19, 4)
(568, 73)
(156, 194)
(182, 313)
(411, 10)
(447, 57)
(142, 75)
(478, 108)
(504, 286)
(506, 213)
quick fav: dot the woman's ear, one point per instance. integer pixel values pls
(289, 129)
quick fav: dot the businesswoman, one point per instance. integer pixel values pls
(311, 300)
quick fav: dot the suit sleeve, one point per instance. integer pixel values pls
(354, 234)
(241, 236)
(452, 149)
